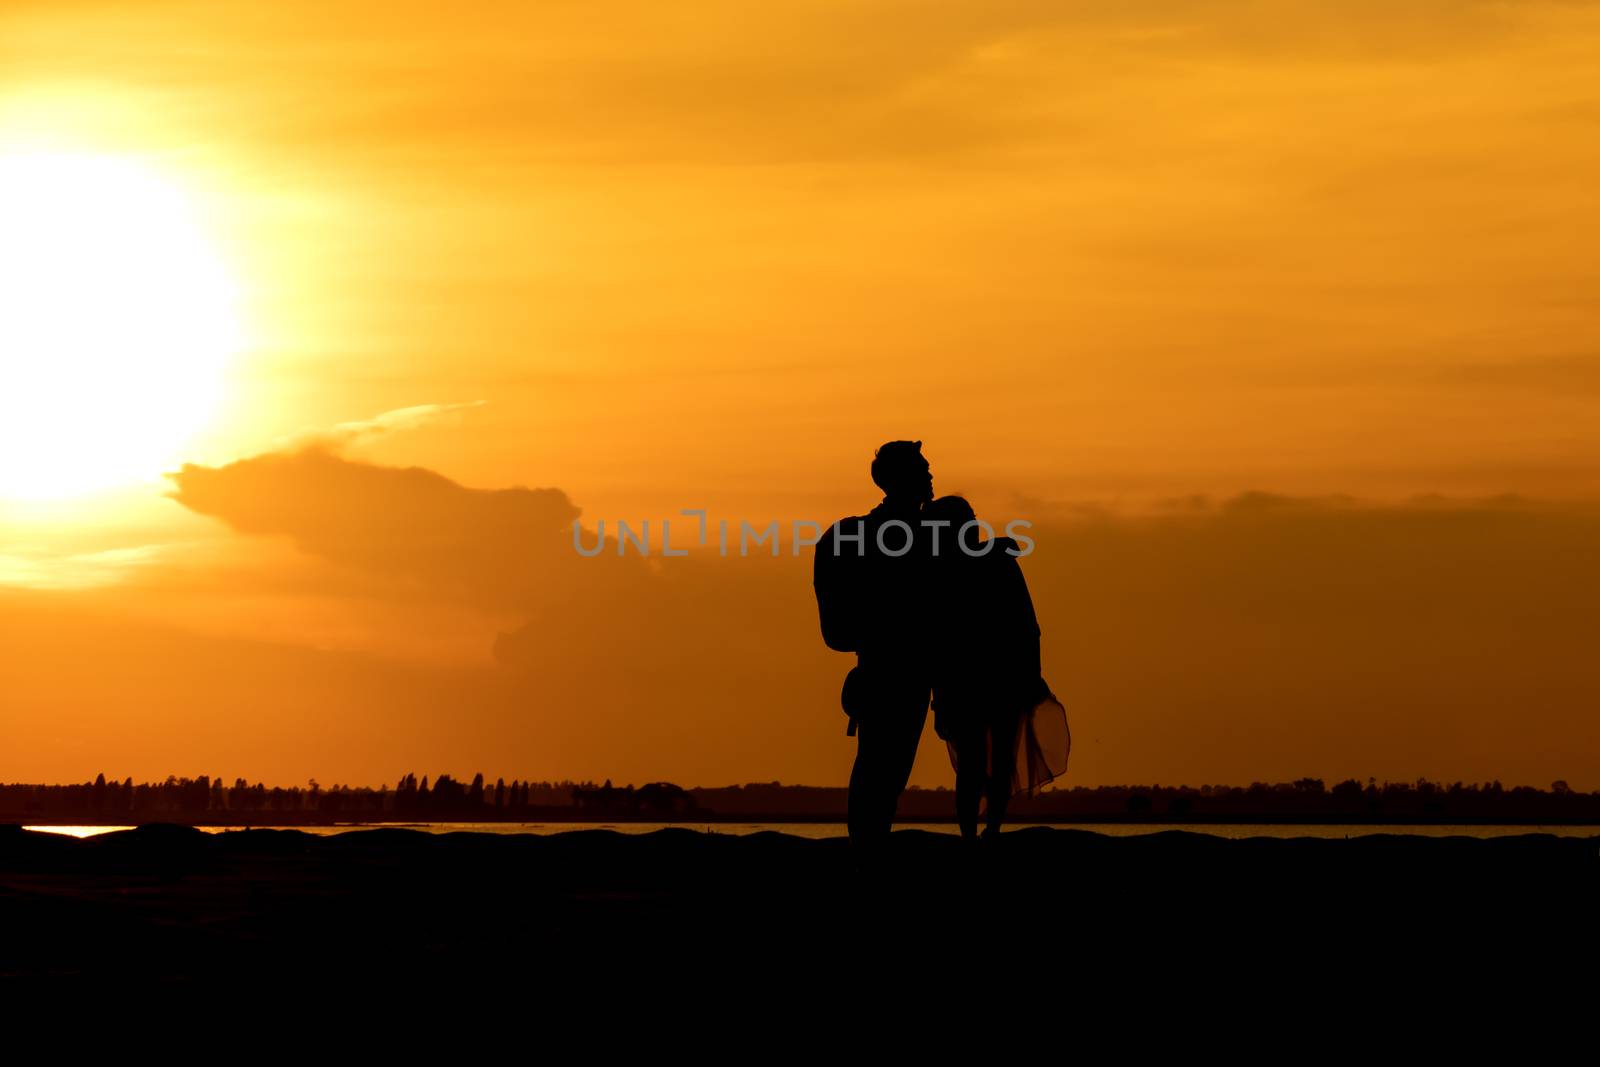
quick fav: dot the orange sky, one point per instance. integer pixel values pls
(1098, 256)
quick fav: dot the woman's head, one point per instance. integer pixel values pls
(956, 511)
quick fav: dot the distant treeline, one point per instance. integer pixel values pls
(208, 800)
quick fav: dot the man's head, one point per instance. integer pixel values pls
(900, 471)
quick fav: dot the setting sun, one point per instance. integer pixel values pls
(117, 320)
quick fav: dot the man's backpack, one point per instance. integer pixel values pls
(836, 576)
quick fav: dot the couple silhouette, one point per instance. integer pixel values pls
(932, 609)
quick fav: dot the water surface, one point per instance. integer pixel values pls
(837, 829)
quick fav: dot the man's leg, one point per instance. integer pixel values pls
(863, 805)
(886, 748)
(902, 755)
(972, 760)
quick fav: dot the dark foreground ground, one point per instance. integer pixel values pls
(697, 917)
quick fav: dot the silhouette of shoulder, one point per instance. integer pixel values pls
(1012, 587)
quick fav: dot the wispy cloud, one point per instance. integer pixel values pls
(43, 569)
(351, 434)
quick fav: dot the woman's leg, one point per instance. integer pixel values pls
(1003, 732)
(970, 777)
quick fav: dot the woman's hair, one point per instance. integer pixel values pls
(957, 511)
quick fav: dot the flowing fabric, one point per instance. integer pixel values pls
(1043, 743)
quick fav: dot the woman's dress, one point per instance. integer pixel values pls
(988, 674)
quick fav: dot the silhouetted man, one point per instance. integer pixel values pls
(869, 574)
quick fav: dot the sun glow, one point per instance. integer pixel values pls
(117, 322)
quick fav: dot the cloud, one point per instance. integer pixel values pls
(805, 82)
(1259, 636)
(47, 569)
(495, 546)
(1572, 374)
(603, 648)
(352, 434)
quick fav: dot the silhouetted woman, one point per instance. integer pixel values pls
(990, 703)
